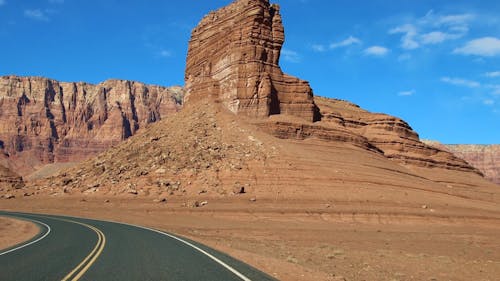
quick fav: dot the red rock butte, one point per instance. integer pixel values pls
(234, 56)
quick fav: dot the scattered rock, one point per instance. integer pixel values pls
(160, 200)
(292, 259)
(9, 196)
(253, 199)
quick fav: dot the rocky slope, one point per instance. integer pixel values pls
(234, 55)
(46, 121)
(8, 179)
(206, 149)
(486, 158)
(393, 137)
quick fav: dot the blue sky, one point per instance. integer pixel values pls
(436, 64)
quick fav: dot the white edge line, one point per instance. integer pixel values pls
(228, 267)
(32, 242)
(237, 273)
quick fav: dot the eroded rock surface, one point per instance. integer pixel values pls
(45, 121)
(390, 135)
(486, 158)
(234, 56)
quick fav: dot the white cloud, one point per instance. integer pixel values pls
(404, 57)
(290, 56)
(318, 48)
(36, 14)
(461, 82)
(495, 88)
(437, 37)
(165, 54)
(486, 46)
(407, 93)
(488, 102)
(408, 40)
(492, 74)
(432, 29)
(454, 20)
(347, 42)
(377, 51)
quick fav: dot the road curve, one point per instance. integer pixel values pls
(72, 249)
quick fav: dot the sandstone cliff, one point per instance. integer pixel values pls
(206, 149)
(234, 55)
(8, 179)
(393, 137)
(46, 121)
(486, 158)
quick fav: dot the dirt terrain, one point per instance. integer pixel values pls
(301, 187)
(316, 240)
(13, 231)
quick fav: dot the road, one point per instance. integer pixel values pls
(69, 248)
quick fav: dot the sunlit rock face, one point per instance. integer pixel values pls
(234, 56)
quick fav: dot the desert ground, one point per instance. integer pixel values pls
(313, 240)
(14, 231)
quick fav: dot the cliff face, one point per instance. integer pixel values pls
(46, 121)
(234, 56)
(383, 134)
(486, 158)
(206, 149)
(8, 179)
(393, 137)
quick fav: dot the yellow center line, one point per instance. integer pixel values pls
(94, 254)
(79, 275)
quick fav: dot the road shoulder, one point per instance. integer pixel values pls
(14, 232)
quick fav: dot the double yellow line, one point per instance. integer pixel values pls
(81, 268)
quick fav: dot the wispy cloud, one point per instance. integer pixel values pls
(290, 56)
(347, 42)
(377, 51)
(461, 82)
(492, 74)
(407, 93)
(404, 57)
(36, 14)
(437, 37)
(432, 29)
(165, 53)
(409, 31)
(318, 48)
(485, 46)
(495, 89)
(488, 102)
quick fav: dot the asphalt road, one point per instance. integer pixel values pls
(73, 249)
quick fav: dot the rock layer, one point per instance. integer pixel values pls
(8, 179)
(46, 121)
(234, 56)
(486, 158)
(389, 135)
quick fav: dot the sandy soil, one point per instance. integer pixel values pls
(314, 240)
(14, 231)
